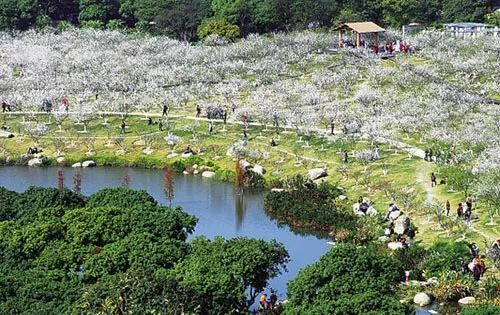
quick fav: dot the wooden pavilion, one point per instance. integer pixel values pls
(359, 28)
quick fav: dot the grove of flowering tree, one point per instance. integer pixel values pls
(444, 92)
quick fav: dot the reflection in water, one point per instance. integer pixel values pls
(240, 208)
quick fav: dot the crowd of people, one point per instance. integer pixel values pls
(477, 265)
(267, 303)
(390, 47)
(398, 46)
(464, 210)
(47, 105)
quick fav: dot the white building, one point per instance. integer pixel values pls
(463, 29)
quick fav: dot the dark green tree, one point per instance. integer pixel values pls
(18, 14)
(230, 273)
(98, 10)
(348, 280)
(58, 10)
(183, 17)
(465, 10)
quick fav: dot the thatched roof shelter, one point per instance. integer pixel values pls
(359, 28)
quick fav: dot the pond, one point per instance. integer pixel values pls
(219, 210)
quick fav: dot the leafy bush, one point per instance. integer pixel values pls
(92, 24)
(178, 166)
(481, 310)
(256, 180)
(114, 25)
(147, 162)
(306, 205)
(35, 199)
(489, 290)
(121, 197)
(348, 280)
(225, 176)
(412, 258)
(195, 159)
(453, 285)
(218, 27)
(445, 256)
(64, 26)
(7, 204)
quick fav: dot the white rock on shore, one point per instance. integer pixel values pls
(35, 162)
(422, 299)
(467, 300)
(89, 164)
(208, 174)
(316, 173)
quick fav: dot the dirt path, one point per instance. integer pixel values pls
(423, 180)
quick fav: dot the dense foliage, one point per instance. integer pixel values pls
(306, 206)
(182, 18)
(118, 252)
(348, 280)
(481, 310)
(445, 256)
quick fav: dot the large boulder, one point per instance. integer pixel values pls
(208, 174)
(394, 245)
(89, 164)
(400, 224)
(78, 164)
(60, 159)
(316, 173)
(422, 299)
(467, 300)
(6, 134)
(35, 162)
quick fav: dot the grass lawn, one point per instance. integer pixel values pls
(293, 155)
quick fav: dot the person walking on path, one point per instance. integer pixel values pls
(210, 127)
(448, 206)
(198, 110)
(122, 127)
(433, 180)
(459, 211)
(165, 110)
(345, 158)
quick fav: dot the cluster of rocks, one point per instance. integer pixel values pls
(88, 163)
(204, 170)
(423, 299)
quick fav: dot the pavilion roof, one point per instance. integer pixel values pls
(361, 27)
